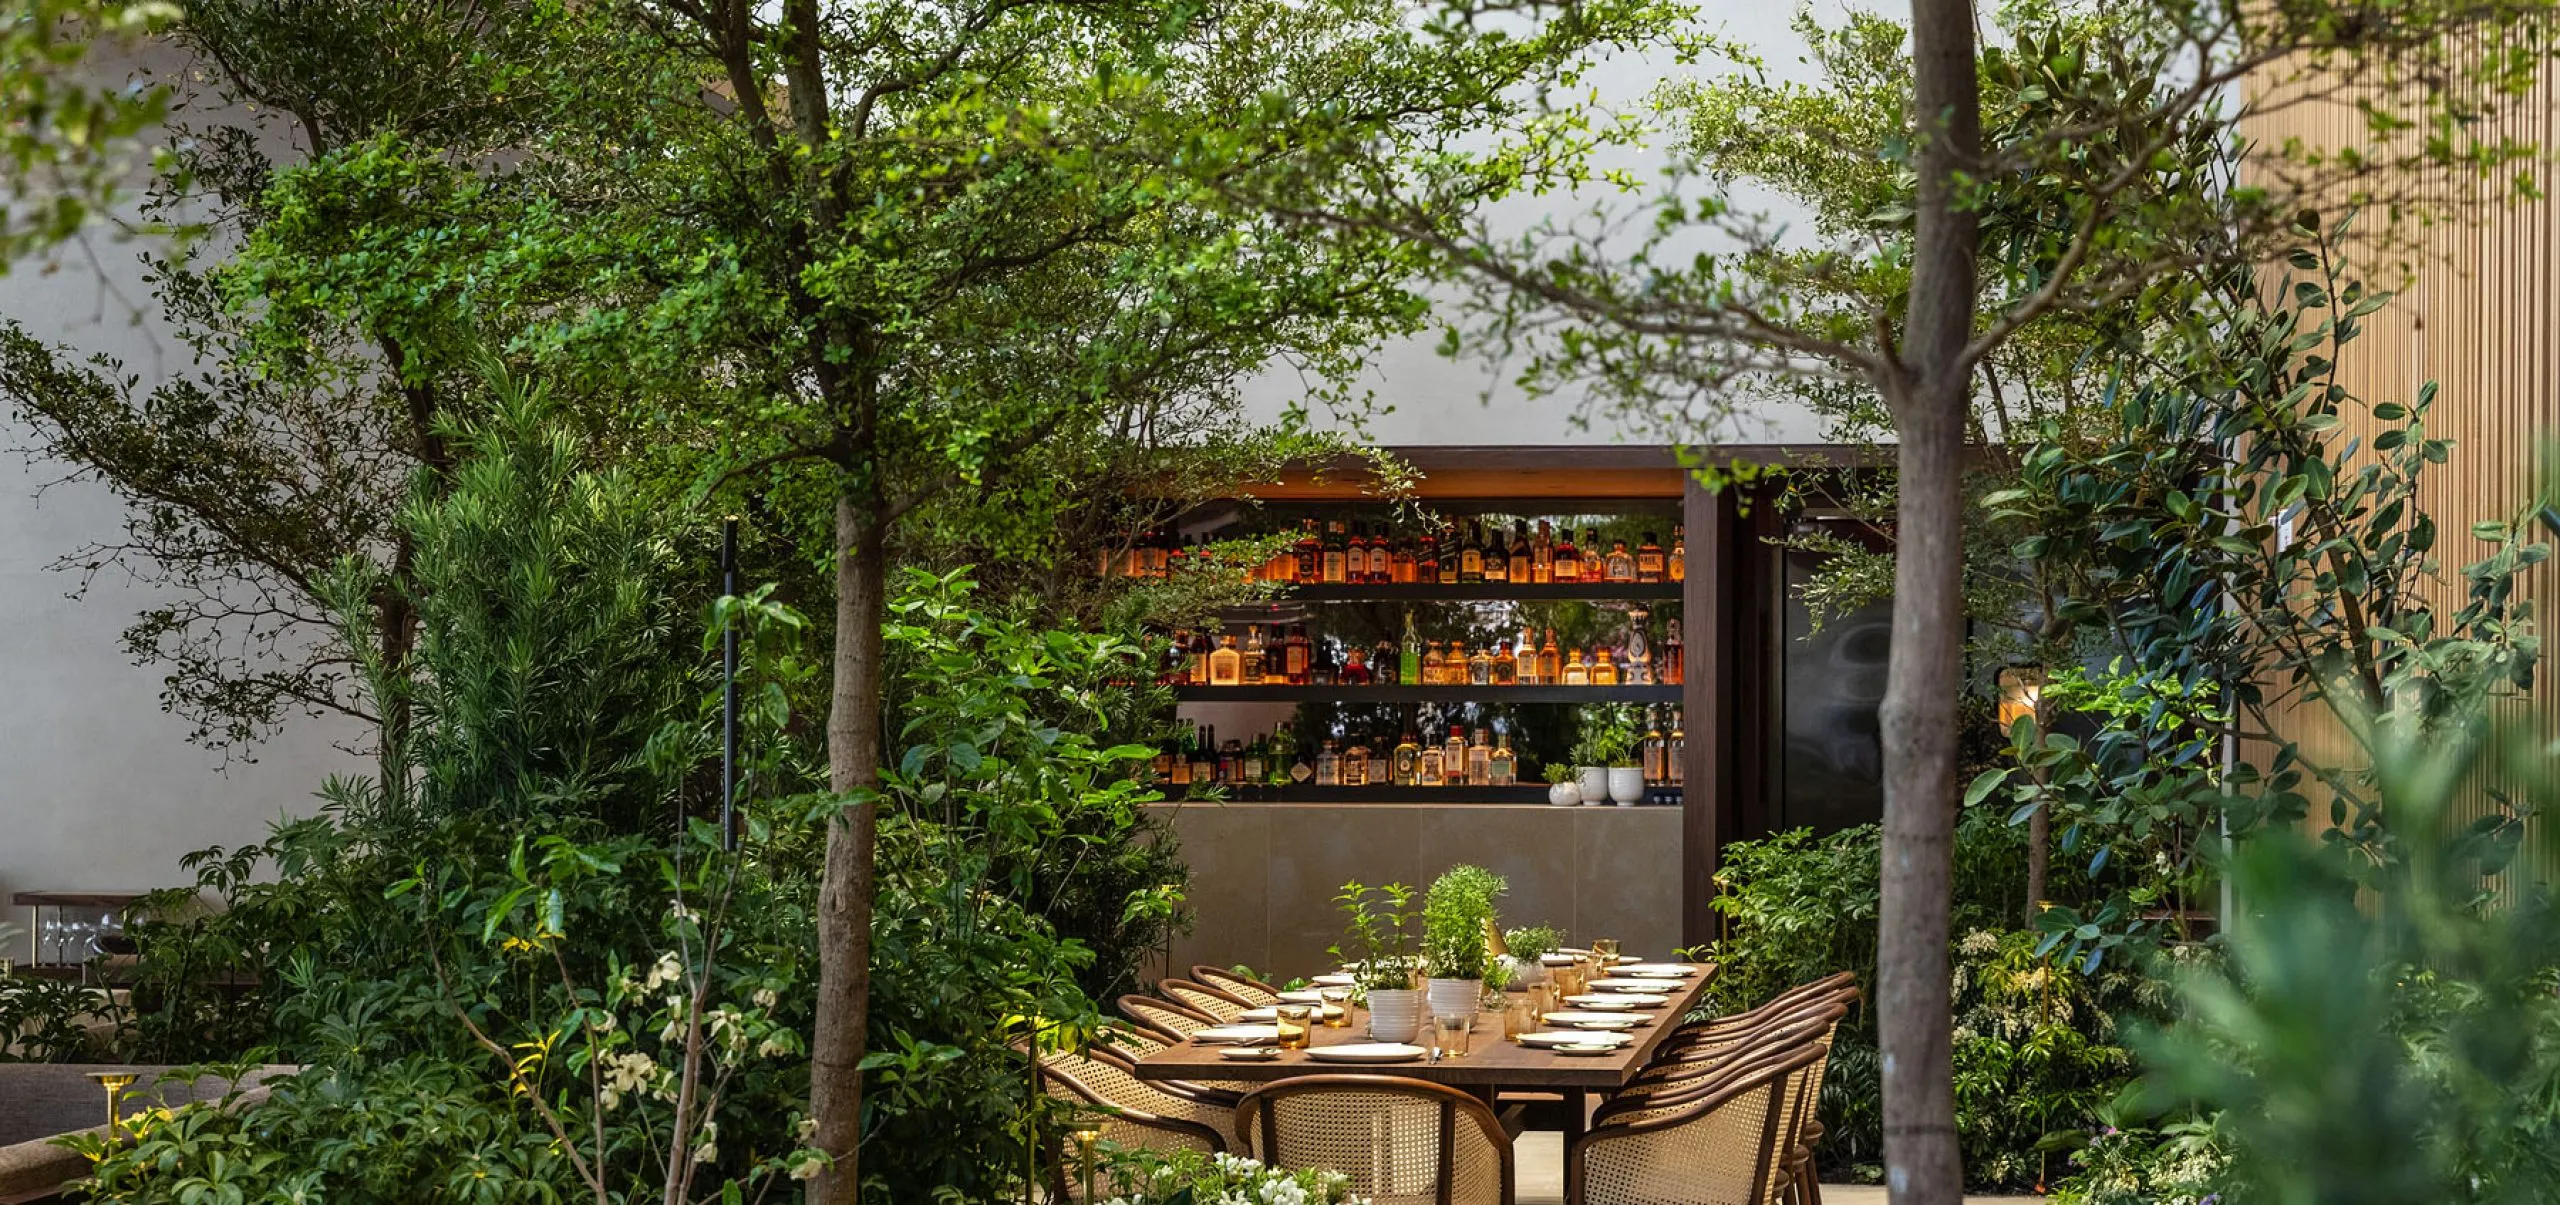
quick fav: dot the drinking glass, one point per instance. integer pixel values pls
(1295, 1020)
(1542, 1000)
(1337, 1007)
(1519, 1017)
(49, 939)
(1570, 980)
(1605, 949)
(1456, 1029)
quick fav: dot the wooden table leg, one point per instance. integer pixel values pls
(1577, 1107)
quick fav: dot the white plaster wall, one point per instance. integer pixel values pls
(99, 788)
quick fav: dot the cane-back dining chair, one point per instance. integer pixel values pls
(1202, 998)
(1243, 987)
(1128, 1112)
(1400, 1141)
(1166, 1019)
(1731, 1144)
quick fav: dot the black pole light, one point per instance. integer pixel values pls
(729, 689)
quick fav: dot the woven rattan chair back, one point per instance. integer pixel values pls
(1703, 1054)
(1842, 987)
(1164, 1018)
(1400, 1141)
(1733, 1145)
(1202, 998)
(1252, 991)
(1129, 1113)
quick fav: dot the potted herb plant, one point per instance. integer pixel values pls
(1378, 949)
(1457, 914)
(1606, 756)
(1529, 947)
(1562, 791)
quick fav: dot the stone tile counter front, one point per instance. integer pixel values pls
(1264, 875)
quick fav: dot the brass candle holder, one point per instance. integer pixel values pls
(1085, 1140)
(115, 1082)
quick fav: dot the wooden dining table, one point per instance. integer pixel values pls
(1491, 1065)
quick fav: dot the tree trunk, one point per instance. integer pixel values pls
(2039, 859)
(1928, 386)
(845, 892)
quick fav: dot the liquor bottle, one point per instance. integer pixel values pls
(1678, 566)
(1550, 661)
(1453, 756)
(1382, 668)
(1480, 760)
(1320, 663)
(1408, 761)
(1204, 758)
(1293, 656)
(1257, 657)
(1257, 762)
(1502, 766)
(1382, 555)
(1603, 671)
(1337, 555)
(1433, 665)
(1649, 560)
(1428, 768)
(1329, 765)
(1635, 667)
(1451, 559)
(1568, 559)
(1310, 553)
(1400, 562)
(1226, 663)
(1656, 746)
(1196, 658)
(1506, 668)
(1355, 766)
(1480, 667)
(1355, 670)
(1471, 555)
(1426, 563)
(1284, 750)
(1497, 556)
(1675, 656)
(1525, 665)
(1542, 555)
(1621, 565)
(1161, 769)
(1524, 558)
(1677, 753)
(1409, 657)
(1299, 771)
(1577, 669)
(1356, 556)
(1231, 762)
(1177, 759)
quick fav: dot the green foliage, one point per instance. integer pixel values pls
(1194, 1178)
(48, 1021)
(2184, 1163)
(1378, 944)
(1457, 913)
(69, 138)
(1609, 735)
(1529, 942)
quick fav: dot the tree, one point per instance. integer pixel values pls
(72, 141)
(1628, 303)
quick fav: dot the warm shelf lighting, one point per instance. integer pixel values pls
(2021, 694)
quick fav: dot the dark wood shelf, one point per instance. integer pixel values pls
(1481, 592)
(1428, 694)
(1459, 796)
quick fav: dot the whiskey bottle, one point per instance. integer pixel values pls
(1293, 656)
(1177, 759)
(1676, 755)
(1649, 560)
(1451, 560)
(1497, 556)
(1310, 553)
(1408, 761)
(1231, 762)
(1382, 556)
(1200, 652)
(1577, 669)
(1480, 760)
(1428, 768)
(1409, 657)
(1604, 672)
(1337, 555)
(1226, 663)
(1568, 559)
(1480, 667)
(1678, 566)
(1675, 656)
(1257, 657)
(1656, 748)
(1355, 766)
(1400, 562)
(1526, 663)
(1329, 765)
(1524, 559)
(1426, 562)
(1257, 762)
(1356, 556)
(1506, 668)
(1204, 758)
(1621, 565)
(1542, 555)
(1471, 556)
(1434, 666)
(1502, 766)
(1453, 756)
(1550, 661)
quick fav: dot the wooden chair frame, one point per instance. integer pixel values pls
(1252, 1111)
(1774, 1161)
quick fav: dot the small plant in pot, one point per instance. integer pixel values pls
(1607, 756)
(1378, 948)
(1562, 790)
(1457, 914)
(1529, 947)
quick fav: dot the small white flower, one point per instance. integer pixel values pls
(806, 1130)
(667, 971)
(706, 1153)
(766, 997)
(808, 1166)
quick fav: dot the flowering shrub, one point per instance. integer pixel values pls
(2180, 1165)
(1192, 1178)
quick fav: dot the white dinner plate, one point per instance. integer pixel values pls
(1586, 1050)
(1658, 970)
(1367, 1052)
(1572, 1037)
(1568, 958)
(1302, 996)
(1331, 980)
(1619, 1000)
(1272, 1013)
(1629, 985)
(1581, 1020)
(1238, 1033)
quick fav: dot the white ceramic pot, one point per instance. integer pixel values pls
(1527, 972)
(1564, 794)
(1594, 782)
(1626, 785)
(1451, 997)
(1395, 1015)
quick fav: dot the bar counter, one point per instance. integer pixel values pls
(1263, 875)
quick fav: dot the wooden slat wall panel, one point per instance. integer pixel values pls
(2475, 313)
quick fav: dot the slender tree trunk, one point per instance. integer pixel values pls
(2039, 859)
(1928, 386)
(845, 891)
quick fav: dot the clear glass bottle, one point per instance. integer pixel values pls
(1427, 771)
(1524, 666)
(1550, 661)
(1502, 766)
(1542, 555)
(1480, 760)
(1409, 655)
(1480, 667)
(1636, 668)
(1329, 765)
(1677, 564)
(1604, 672)
(1453, 756)
(1506, 668)
(1621, 565)
(1226, 663)
(1407, 766)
